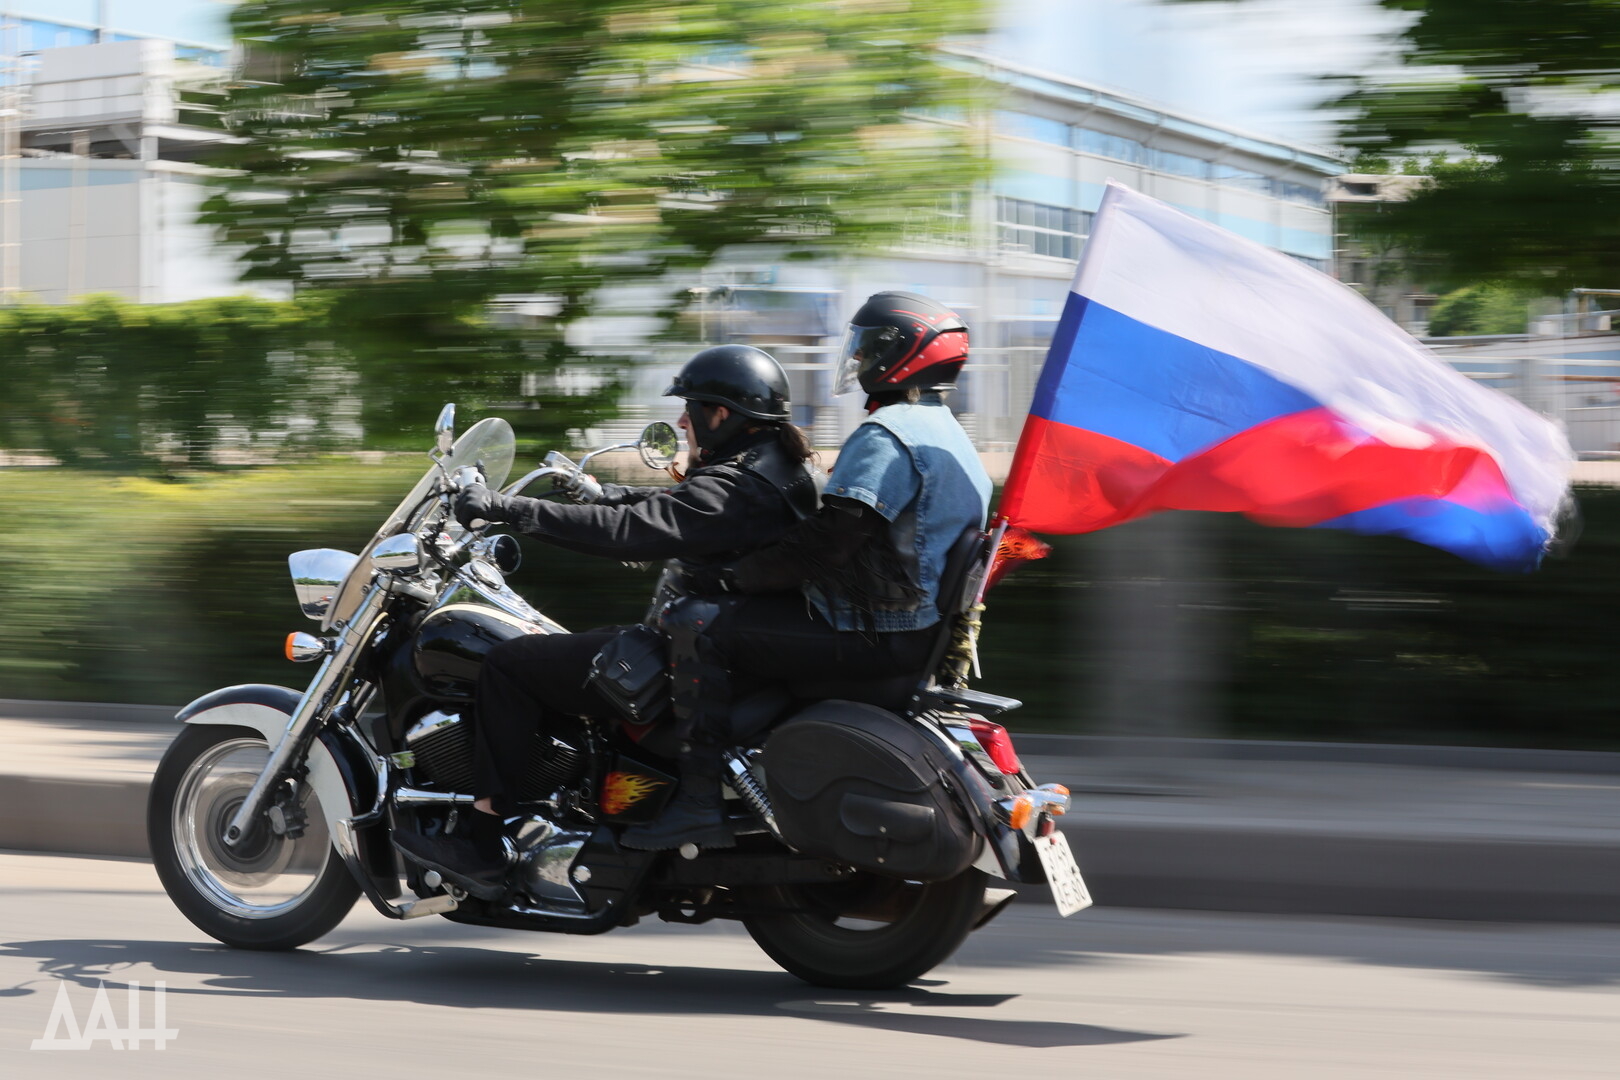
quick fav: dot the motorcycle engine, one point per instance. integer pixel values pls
(442, 743)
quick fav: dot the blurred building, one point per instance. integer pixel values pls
(101, 191)
(1004, 255)
(1381, 273)
(112, 126)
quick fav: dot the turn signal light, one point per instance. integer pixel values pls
(1019, 812)
(1048, 800)
(302, 647)
(1056, 800)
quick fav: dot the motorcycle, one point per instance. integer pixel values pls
(871, 819)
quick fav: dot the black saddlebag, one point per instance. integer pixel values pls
(858, 785)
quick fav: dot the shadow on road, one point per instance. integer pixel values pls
(474, 978)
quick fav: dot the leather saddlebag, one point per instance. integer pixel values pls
(632, 671)
(858, 785)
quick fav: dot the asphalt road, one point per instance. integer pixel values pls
(1108, 994)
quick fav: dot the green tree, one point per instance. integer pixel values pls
(1520, 85)
(411, 163)
(1487, 308)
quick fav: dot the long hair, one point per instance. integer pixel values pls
(794, 441)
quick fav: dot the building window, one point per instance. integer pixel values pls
(1314, 264)
(39, 34)
(1179, 164)
(1241, 179)
(1039, 128)
(1054, 231)
(1111, 146)
(1309, 194)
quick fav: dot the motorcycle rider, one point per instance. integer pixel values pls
(749, 481)
(851, 590)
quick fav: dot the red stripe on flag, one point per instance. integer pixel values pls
(1296, 470)
(1066, 480)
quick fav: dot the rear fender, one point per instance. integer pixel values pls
(1007, 853)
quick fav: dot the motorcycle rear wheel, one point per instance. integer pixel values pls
(868, 933)
(274, 892)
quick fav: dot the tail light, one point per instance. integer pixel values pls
(998, 744)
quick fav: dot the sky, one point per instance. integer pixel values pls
(1254, 64)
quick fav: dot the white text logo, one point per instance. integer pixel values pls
(102, 1025)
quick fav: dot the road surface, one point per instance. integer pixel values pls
(1107, 994)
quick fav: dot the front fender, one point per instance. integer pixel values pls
(267, 709)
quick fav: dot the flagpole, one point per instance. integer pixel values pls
(997, 531)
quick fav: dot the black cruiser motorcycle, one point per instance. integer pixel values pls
(870, 816)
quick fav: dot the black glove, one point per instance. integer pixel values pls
(475, 502)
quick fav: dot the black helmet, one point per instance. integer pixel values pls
(899, 340)
(744, 379)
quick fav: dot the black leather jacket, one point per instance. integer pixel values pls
(725, 508)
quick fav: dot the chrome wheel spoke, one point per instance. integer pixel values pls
(266, 876)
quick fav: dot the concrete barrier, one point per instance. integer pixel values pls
(1305, 828)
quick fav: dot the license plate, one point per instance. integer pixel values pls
(1063, 874)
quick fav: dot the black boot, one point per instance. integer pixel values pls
(473, 858)
(696, 814)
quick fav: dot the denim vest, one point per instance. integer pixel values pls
(914, 465)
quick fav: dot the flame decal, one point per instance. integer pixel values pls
(620, 791)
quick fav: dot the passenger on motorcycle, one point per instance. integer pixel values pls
(851, 592)
(749, 480)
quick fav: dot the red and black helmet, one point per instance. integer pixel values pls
(900, 340)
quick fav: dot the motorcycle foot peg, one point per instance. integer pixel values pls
(432, 880)
(689, 851)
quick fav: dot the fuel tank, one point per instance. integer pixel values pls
(452, 641)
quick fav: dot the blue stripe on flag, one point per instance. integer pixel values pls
(1111, 374)
(1504, 539)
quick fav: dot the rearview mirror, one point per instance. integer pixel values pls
(444, 429)
(399, 554)
(658, 445)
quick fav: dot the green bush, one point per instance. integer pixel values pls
(137, 590)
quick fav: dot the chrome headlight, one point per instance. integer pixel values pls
(316, 575)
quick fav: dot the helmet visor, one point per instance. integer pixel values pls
(861, 348)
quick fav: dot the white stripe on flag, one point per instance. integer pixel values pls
(1172, 271)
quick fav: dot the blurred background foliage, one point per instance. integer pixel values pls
(108, 384)
(134, 589)
(1507, 98)
(1488, 308)
(418, 165)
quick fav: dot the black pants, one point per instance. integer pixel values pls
(779, 636)
(530, 682)
(713, 641)
(527, 685)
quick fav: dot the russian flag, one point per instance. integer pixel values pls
(1195, 370)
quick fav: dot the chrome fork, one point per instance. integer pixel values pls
(312, 709)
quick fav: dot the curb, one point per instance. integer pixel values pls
(1493, 758)
(1126, 864)
(73, 817)
(1489, 758)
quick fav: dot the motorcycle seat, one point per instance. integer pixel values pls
(893, 693)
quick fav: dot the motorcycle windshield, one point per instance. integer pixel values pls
(488, 444)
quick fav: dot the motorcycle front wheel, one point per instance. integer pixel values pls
(274, 891)
(868, 933)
